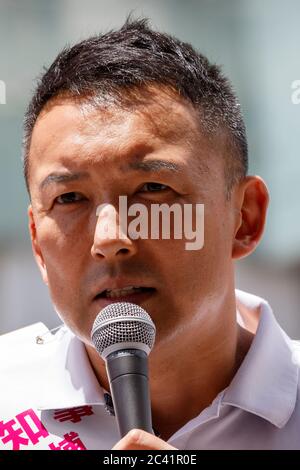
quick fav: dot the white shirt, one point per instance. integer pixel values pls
(50, 397)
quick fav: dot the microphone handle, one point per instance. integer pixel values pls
(127, 372)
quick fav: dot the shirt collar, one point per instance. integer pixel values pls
(266, 382)
(68, 380)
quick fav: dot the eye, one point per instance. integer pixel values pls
(153, 187)
(69, 198)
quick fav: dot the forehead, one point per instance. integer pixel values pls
(67, 128)
(163, 115)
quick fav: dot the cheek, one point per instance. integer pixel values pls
(62, 249)
(219, 235)
(196, 271)
(65, 254)
(215, 257)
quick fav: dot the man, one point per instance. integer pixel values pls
(137, 113)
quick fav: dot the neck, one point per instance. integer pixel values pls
(185, 379)
(180, 393)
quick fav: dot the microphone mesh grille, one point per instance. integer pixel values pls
(122, 322)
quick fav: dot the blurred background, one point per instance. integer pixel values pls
(258, 45)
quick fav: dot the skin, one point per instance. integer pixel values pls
(199, 345)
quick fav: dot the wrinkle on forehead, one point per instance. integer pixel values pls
(149, 115)
(152, 103)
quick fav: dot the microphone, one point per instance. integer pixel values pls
(123, 334)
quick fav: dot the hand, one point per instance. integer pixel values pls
(141, 440)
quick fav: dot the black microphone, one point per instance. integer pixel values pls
(124, 334)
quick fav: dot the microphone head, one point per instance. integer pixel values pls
(122, 325)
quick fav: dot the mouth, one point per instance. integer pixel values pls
(124, 291)
(132, 294)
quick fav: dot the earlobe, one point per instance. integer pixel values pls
(35, 245)
(252, 200)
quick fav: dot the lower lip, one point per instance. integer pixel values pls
(134, 298)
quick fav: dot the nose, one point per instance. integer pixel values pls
(110, 236)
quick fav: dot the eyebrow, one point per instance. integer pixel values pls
(154, 165)
(59, 177)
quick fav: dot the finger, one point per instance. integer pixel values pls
(137, 439)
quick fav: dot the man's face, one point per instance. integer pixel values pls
(107, 152)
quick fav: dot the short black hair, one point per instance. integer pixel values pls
(136, 56)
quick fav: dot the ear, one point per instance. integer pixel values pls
(251, 200)
(35, 245)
